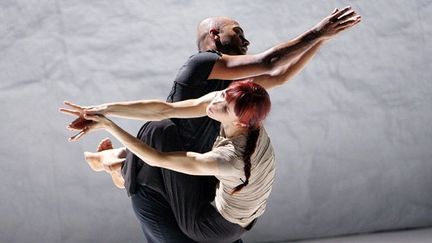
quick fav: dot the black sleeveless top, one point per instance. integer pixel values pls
(192, 134)
(197, 134)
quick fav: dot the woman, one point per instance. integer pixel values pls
(242, 157)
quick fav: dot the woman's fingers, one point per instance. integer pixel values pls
(79, 123)
(73, 105)
(71, 128)
(70, 112)
(83, 124)
(93, 110)
(90, 127)
(78, 136)
(96, 119)
(92, 117)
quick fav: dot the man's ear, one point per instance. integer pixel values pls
(214, 34)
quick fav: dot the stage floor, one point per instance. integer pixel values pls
(423, 235)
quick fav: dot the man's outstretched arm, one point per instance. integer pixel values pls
(266, 63)
(285, 73)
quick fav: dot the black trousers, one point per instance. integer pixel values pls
(156, 217)
(161, 196)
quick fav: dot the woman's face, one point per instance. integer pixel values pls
(220, 110)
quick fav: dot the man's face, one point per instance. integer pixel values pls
(232, 40)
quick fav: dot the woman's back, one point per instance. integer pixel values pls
(249, 203)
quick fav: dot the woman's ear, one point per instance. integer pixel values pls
(240, 124)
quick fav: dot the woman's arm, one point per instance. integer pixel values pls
(155, 110)
(185, 162)
(149, 110)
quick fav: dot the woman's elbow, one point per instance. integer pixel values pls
(166, 112)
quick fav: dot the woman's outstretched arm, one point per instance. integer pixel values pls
(185, 162)
(155, 110)
(148, 110)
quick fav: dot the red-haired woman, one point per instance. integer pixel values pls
(242, 158)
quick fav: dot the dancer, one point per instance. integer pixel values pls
(242, 157)
(200, 75)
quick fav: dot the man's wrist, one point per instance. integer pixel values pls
(313, 35)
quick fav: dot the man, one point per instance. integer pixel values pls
(160, 196)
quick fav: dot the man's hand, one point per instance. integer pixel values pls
(88, 119)
(336, 22)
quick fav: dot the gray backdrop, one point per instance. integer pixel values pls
(352, 132)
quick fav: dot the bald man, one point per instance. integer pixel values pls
(166, 202)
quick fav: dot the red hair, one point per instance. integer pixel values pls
(251, 105)
(251, 102)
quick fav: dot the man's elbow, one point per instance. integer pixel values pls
(276, 58)
(269, 67)
(267, 61)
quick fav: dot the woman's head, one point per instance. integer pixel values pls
(244, 103)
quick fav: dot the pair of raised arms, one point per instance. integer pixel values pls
(270, 68)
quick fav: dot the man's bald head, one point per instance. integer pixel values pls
(209, 26)
(214, 23)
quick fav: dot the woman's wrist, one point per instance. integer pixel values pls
(109, 125)
(109, 109)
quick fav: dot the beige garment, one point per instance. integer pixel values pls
(250, 202)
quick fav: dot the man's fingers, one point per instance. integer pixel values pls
(344, 28)
(334, 11)
(338, 14)
(349, 23)
(348, 15)
(72, 105)
(70, 112)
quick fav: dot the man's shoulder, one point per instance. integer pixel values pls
(202, 61)
(204, 54)
(196, 70)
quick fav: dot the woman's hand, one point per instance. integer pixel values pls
(93, 123)
(90, 110)
(88, 119)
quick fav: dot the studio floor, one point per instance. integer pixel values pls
(423, 235)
